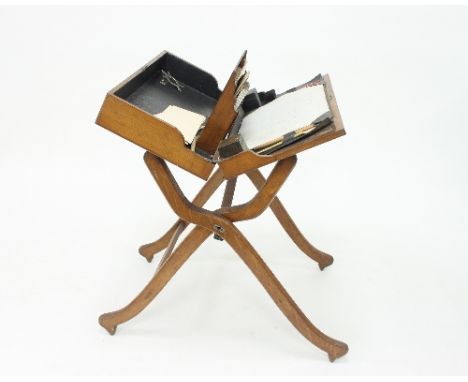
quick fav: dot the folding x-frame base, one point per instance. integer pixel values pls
(221, 223)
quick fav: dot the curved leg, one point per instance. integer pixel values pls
(227, 198)
(266, 194)
(180, 228)
(323, 259)
(193, 240)
(282, 299)
(208, 189)
(221, 223)
(149, 250)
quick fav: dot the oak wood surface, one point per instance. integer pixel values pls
(151, 133)
(220, 120)
(168, 269)
(208, 189)
(266, 194)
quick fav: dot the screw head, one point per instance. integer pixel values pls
(218, 228)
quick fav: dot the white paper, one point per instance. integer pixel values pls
(289, 112)
(186, 121)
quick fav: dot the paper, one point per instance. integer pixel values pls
(186, 121)
(283, 115)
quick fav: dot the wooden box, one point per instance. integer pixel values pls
(128, 110)
(248, 159)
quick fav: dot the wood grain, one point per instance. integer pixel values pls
(222, 116)
(167, 270)
(208, 189)
(151, 133)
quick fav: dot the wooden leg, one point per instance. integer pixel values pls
(172, 264)
(181, 227)
(221, 222)
(229, 192)
(323, 259)
(149, 250)
(227, 198)
(280, 296)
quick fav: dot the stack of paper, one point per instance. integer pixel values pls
(187, 122)
(290, 113)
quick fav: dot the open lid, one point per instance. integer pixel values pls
(225, 110)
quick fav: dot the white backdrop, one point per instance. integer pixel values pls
(388, 200)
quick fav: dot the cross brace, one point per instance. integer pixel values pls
(221, 223)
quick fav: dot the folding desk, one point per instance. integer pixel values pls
(129, 111)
